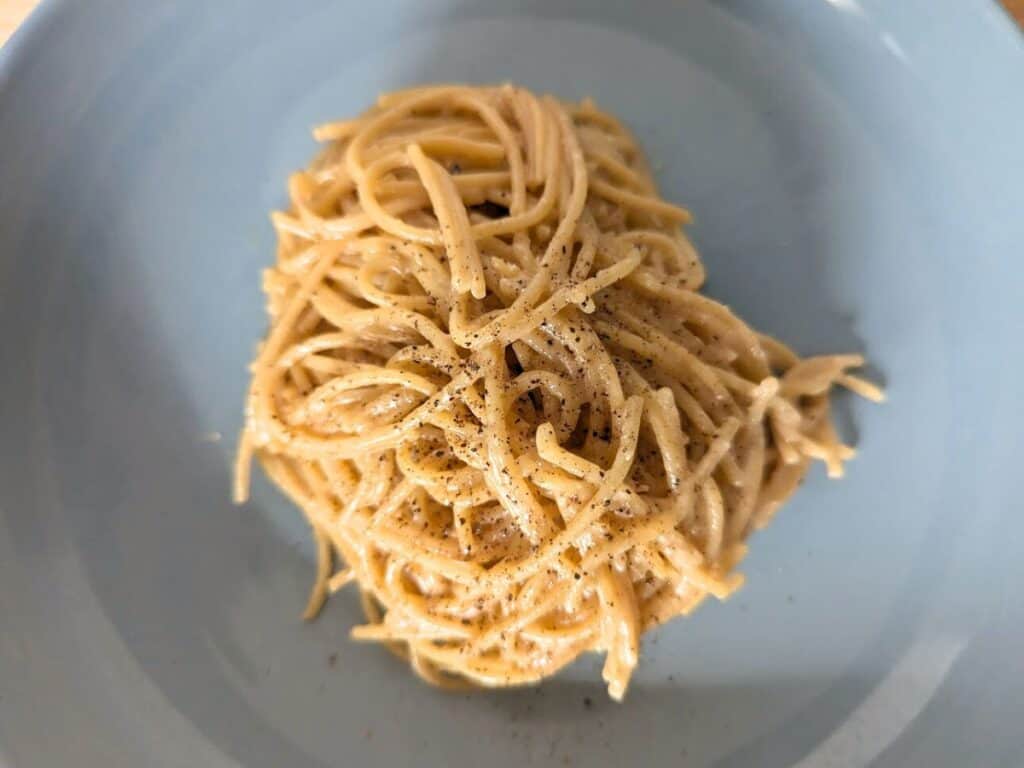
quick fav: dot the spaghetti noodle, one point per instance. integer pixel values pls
(493, 388)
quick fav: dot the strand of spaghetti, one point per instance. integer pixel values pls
(456, 234)
(243, 468)
(341, 579)
(639, 202)
(681, 363)
(644, 337)
(458, 96)
(694, 570)
(715, 316)
(862, 387)
(551, 451)
(753, 470)
(590, 513)
(714, 507)
(283, 325)
(503, 475)
(318, 593)
(516, 621)
(620, 629)
(716, 451)
(419, 550)
(342, 129)
(512, 328)
(668, 433)
(459, 146)
(338, 227)
(815, 375)
(309, 446)
(491, 672)
(385, 632)
(321, 397)
(555, 255)
(268, 351)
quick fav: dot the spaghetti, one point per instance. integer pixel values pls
(493, 388)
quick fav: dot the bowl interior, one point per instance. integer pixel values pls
(846, 199)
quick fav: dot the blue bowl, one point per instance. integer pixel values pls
(856, 168)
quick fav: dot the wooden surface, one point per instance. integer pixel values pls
(1016, 8)
(12, 12)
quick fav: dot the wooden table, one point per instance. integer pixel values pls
(1016, 7)
(12, 12)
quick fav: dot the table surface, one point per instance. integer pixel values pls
(12, 12)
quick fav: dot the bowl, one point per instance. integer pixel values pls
(856, 171)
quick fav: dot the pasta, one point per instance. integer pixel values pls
(494, 389)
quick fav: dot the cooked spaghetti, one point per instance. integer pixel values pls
(494, 390)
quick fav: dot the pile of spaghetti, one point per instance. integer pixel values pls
(493, 388)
